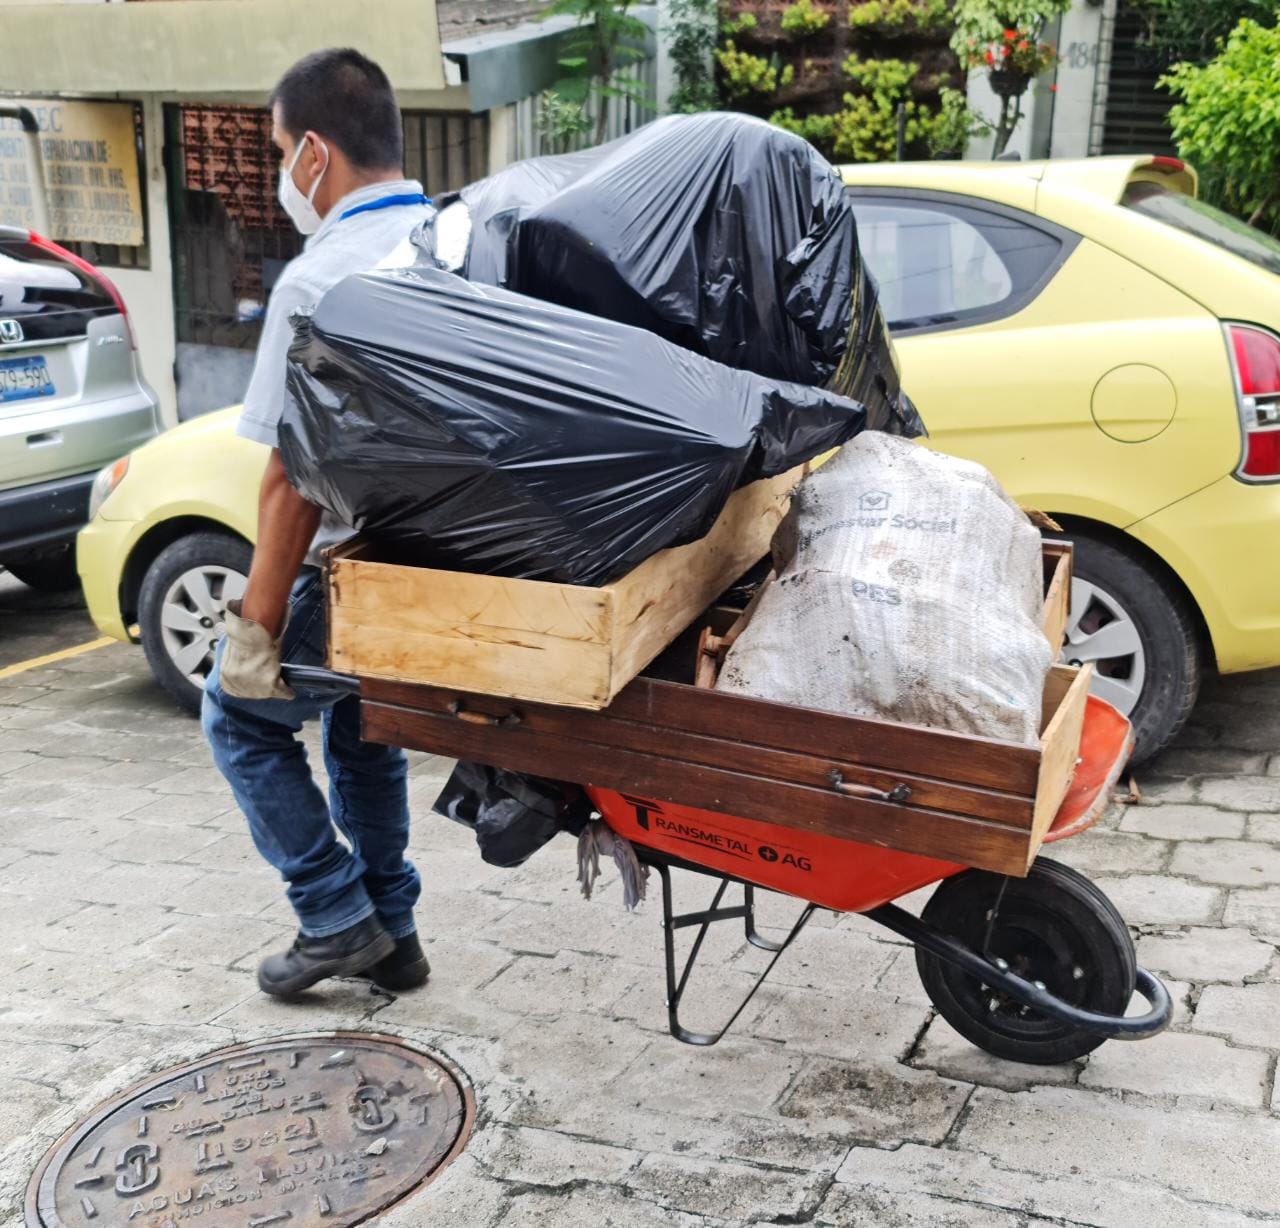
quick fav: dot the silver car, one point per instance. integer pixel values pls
(72, 399)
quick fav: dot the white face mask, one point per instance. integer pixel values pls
(302, 213)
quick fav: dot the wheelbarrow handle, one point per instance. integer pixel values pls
(456, 709)
(1117, 1027)
(1139, 1027)
(901, 792)
(317, 678)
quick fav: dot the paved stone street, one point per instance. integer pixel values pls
(134, 910)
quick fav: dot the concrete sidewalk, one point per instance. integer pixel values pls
(135, 909)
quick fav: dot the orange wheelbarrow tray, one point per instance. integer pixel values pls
(1037, 969)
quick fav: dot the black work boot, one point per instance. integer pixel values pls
(405, 968)
(309, 960)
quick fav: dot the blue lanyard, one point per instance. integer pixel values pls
(386, 202)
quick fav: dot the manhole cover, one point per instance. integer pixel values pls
(322, 1130)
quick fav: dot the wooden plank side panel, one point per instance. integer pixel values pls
(1060, 741)
(931, 833)
(1059, 681)
(661, 597)
(680, 710)
(455, 602)
(484, 633)
(575, 674)
(1061, 746)
(1057, 597)
(600, 731)
(883, 745)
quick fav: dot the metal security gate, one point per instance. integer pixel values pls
(231, 240)
(445, 151)
(1136, 114)
(230, 237)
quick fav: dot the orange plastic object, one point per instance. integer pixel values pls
(1106, 743)
(845, 875)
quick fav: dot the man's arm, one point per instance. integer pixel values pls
(286, 525)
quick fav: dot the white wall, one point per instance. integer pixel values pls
(196, 46)
(1080, 62)
(148, 293)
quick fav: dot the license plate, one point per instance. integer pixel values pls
(24, 378)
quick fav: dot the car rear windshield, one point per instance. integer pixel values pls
(34, 280)
(1205, 222)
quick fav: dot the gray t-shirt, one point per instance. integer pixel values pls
(342, 246)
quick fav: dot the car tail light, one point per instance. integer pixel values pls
(1255, 356)
(95, 275)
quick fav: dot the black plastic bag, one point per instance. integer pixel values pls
(473, 429)
(512, 815)
(719, 232)
(496, 204)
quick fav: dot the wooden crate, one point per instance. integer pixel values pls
(979, 801)
(531, 640)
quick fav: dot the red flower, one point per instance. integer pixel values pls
(991, 59)
(1010, 35)
(1022, 46)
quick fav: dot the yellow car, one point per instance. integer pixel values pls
(168, 544)
(1099, 339)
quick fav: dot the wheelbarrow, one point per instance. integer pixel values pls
(1037, 968)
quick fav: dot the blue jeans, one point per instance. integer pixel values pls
(254, 745)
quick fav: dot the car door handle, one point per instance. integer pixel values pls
(46, 439)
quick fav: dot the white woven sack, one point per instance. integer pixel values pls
(912, 591)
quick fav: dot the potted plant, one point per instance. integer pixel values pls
(1003, 38)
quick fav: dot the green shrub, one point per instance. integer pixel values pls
(816, 129)
(888, 78)
(803, 18)
(691, 35)
(954, 125)
(867, 129)
(1194, 29)
(1228, 119)
(745, 73)
(894, 17)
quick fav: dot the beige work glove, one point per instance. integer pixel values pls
(251, 659)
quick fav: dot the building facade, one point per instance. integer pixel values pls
(178, 206)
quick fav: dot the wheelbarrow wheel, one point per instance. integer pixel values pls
(1055, 927)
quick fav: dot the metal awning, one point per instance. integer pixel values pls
(502, 67)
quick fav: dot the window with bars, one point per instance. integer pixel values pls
(230, 237)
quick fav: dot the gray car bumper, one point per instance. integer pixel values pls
(46, 514)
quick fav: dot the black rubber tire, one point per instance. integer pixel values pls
(1053, 926)
(52, 573)
(1167, 629)
(195, 550)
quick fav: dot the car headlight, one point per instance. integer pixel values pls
(106, 481)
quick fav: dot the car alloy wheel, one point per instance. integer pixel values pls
(192, 617)
(1101, 630)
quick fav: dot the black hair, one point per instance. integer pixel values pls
(346, 98)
